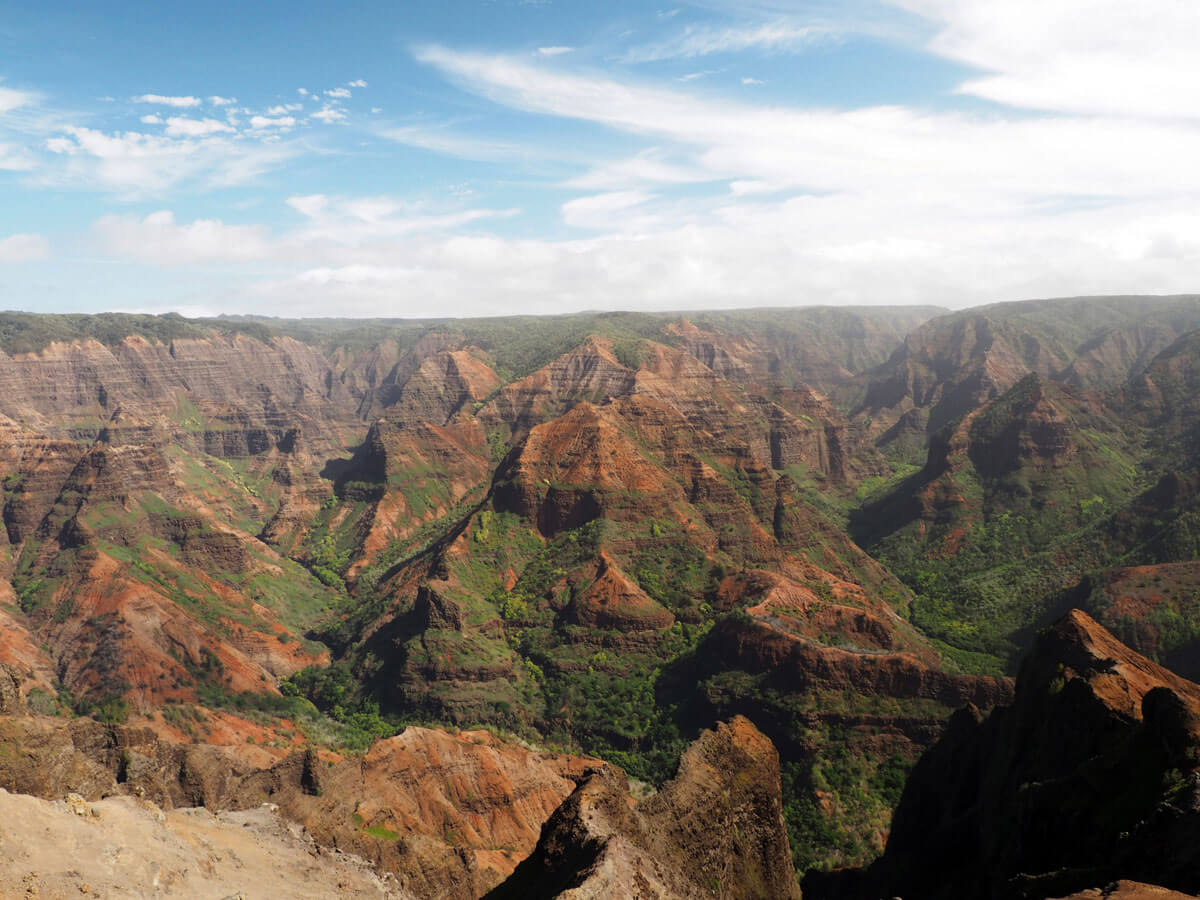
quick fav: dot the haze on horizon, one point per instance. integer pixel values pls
(537, 156)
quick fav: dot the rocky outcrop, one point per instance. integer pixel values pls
(1128, 890)
(442, 386)
(762, 643)
(578, 467)
(716, 829)
(953, 364)
(614, 601)
(1091, 774)
(448, 815)
(590, 372)
(12, 703)
(68, 385)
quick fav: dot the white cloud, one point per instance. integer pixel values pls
(310, 206)
(182, 127)
(745, 187)
(335, 231)
(888, 203)
(284, 108)
(607, 211)
(151, 119)
(159, 240)
(375, 222)
(750, 81)
(222, 101)
(160, 100)
(463, 146)
(652, 166)
(358, 82)
(11, 99)
(1100, 57)
(338, 93)
(16, 159)
(18, 248)
(138, 164)
(723, 202)
(303, 92)
(554, 51)
(703, 40)
(259, 123)
(328, 115)
(931, 157)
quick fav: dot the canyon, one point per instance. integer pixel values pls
(508, 605)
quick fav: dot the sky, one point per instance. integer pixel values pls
(490, 157)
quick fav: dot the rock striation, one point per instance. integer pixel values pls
(716, 829)
(1092, 774)
(448, 815)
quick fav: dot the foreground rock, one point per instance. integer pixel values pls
(449, 815)
(716, 830)
(1128, 890)
(123, 847)
(1092, 774)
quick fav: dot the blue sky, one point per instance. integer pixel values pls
(477, 158)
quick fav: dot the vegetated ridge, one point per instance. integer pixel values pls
(601, 532)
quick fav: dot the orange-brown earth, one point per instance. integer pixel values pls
(632, 521)
(715, 829)
(449, 815)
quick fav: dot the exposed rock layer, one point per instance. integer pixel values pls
(1093, 773)
(716, 829)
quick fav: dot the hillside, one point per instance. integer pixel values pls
(1089, 776)
(602, 533)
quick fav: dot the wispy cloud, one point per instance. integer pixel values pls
(705, 40)
(1103, 57)
(605, 212)
(11, 99)
(554, 51)
(16, 159)
(887, 148)
(335, 232)
(137, 165)
(338, 93)
(18, 248)
(439, 139)
(882, 200)
(177, 102)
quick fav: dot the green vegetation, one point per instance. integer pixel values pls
(1013, 530)
(31, 333)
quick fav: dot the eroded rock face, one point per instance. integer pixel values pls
(449, 816)
(716, 829)
(763, 643)
(1092, 773)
